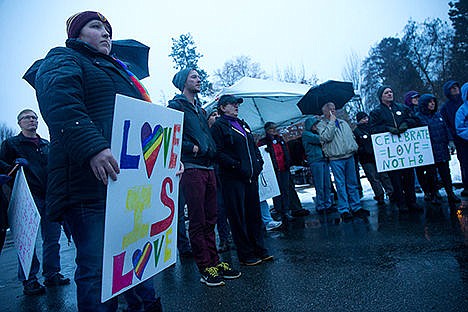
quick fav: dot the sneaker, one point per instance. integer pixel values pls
(210, 277)
(346, 217)
(225, 270)
(273, 225)
(33, 289)
(361, 213)
(56, 280)
(251, 262)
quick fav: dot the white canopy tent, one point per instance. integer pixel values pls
(265, 100)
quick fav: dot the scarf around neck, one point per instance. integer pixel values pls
(140, 87)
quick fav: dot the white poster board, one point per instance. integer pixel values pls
(24, 221)
(141, 215)
(410, 149)
(267, 183)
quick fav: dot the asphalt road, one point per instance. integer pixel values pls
(392, 262)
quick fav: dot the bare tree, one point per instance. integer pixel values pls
(294, 75)
(429, 45)
(5, 132)
(236, 68)
(352, 70)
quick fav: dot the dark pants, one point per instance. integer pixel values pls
(281, 202)
(403, 186)
(243, 209)
(199, 186)
(430, 177)
(462, 155)
(222, 224)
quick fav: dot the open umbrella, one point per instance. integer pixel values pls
(338, 92)
(134, 54)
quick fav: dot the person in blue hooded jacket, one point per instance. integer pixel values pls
(319, 166)
(448, 111)
(430, 117)
(461, 117)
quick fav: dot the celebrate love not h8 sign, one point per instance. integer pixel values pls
(411, 148)
(141, 217)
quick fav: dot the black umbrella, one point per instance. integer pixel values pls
(134, 54)
(338, 92)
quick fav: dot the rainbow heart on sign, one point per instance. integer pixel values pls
(140, 259)
(151, 144)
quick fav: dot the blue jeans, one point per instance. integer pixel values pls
(265, 210)
(87, 227)
(50, 232)
(321, 176)
(346, 184)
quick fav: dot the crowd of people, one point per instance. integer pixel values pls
(76, 87)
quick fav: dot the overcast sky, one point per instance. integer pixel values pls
(318, 35)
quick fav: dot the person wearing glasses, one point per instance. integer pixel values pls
(31, 151)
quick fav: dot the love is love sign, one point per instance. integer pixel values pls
(141, 217)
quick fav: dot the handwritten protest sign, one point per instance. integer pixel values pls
(24, 221)
(141, 217)
(267, 183)
(410, 149)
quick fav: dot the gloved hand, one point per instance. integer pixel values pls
(393, 130)
(22, 162)
(4, 179)
(403, 127)
(451, 147)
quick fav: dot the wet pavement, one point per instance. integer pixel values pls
(394, 262)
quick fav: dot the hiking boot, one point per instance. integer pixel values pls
(251, 262)
(56, 280)
(210, 277)
(346, 217)
(300, 213)
(452, 198)
(266, 257)
(33, 289)
(361, 213)
(225, 270)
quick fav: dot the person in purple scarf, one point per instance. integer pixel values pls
(240, 164)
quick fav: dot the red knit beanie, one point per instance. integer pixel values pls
(76, 22)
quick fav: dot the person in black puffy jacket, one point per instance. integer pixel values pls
(76, 87)
(240, 164)
(396, 118)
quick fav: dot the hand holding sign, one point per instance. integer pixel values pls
(104, 164)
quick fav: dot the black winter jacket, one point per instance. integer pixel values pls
(196, 132)
(36, 171)
(383, 118)
(76, 87)
(268, 141)
(237, 155)
(363, 139)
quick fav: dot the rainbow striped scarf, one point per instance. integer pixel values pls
(141, 88)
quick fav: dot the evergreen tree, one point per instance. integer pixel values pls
(458, 14)
(388, 64)
(184, 54)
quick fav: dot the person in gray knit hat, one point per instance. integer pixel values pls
(198, 183)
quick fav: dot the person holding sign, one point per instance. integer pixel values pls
(76, 88)
(438, 131)
(378, 181)
(240, 164)
(29, 150)
(396, 118)
(199, 180)
(339, 146)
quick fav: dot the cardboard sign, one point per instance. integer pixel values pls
(410, 149)
(267, 183)
(24, 221)
(141, 213)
